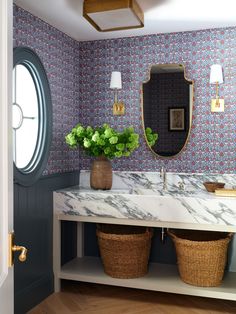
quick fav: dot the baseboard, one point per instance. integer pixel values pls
(34, 293)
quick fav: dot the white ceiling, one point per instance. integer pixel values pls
(161, 16)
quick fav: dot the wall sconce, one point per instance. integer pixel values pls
(216, 77)
(116, 84)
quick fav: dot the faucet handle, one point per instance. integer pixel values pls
(162, 171)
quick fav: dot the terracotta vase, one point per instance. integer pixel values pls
(101, 174)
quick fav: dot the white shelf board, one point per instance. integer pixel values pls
(146, 223)
(161, 277)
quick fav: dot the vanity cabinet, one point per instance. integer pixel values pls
(116, 206)
(160, 277)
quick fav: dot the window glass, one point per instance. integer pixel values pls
(25, 116)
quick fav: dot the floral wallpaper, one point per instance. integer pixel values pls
(79, 76)
(60, 56)
(212, 142)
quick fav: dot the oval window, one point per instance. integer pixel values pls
(31, 116)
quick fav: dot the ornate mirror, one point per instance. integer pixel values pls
(167, 102)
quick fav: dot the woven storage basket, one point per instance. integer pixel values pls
(201, 256)
(124, 250)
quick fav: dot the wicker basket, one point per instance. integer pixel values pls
(124, 250)
(201, 256)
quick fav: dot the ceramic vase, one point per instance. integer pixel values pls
(101, 174)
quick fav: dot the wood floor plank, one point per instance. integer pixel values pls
(82, 298)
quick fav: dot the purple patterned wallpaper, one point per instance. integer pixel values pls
(60, 56)
(79, 75)
(212, 143)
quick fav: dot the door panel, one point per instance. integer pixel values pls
(33, 213)
(6, 177)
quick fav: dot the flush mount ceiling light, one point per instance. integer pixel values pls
(113, 15)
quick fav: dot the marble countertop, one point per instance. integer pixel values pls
(140, 196)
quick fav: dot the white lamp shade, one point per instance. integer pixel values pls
(116, 82)
(216, 75)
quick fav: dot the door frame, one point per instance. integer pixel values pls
(6, 162)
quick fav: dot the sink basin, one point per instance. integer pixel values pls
(171, 191)
(112, 191)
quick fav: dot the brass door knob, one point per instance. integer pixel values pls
(16, 248)
(23, 255)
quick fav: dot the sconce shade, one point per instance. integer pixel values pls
(111, 15)
(116, 82)
(216, 75)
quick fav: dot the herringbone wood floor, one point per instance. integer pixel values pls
(82, 298)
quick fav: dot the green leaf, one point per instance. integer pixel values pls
(107, 150)
(79, 130)
(155, 136)
(101, 142)
(113, 140)
(95, 137)
(148, 130)
(70, 140)
(126, 154)
(118, 154)
(87, 143)
(151, 137)
(120, 146)
(89, 129)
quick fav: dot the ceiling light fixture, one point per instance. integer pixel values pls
(113, 15)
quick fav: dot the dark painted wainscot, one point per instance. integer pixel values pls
(33, 221)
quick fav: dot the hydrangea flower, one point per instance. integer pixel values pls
(103, 141)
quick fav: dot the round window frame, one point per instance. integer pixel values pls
(28, 175)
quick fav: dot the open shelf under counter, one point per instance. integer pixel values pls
(160, 277)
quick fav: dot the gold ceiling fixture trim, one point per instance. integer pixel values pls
(113, 15)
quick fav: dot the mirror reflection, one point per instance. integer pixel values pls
(167, 109)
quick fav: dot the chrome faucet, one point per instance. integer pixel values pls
(163, 176)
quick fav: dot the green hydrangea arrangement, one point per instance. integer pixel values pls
(103, 141)
(151, 137)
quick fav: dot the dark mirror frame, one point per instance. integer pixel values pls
(32, 172)
(191, 83)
